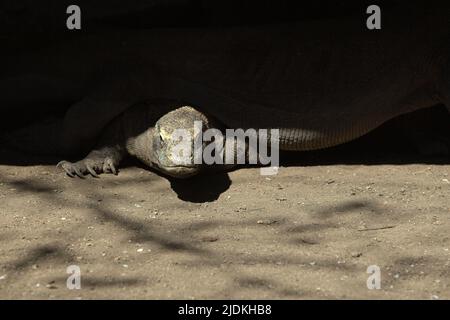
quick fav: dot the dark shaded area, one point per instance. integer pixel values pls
(92, 283)
(27, 26)
(348, 207)
(196, 189)
(28, 16)
(202, 188)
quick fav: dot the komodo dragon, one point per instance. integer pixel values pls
(323, 83)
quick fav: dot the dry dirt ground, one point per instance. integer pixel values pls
(309, 232)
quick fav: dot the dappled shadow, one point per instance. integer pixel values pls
(347, 207)
(259, 286)
(96, 282)
(140, 230)
(32, 186)
(90, 282)
(184, 238)
(408, 268)
(278, 260)
(143, 232)
(40, 254)
(251, 282)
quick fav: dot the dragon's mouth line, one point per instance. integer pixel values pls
(175, 166)
(179, 171)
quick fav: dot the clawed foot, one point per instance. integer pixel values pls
(91, 166)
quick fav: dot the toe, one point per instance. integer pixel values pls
(69, 173)
(92, 171)
(66, 166)
(108, 166)
(77, 171)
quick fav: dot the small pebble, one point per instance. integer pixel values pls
(266, 222)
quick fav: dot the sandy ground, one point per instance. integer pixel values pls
(309, 232)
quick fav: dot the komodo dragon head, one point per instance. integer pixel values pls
(168, 146)
(174, 142)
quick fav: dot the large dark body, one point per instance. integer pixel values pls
(332, 81)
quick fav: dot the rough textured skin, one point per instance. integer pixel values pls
(321, 83)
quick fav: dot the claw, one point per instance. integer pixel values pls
(105, 167)
(69, 173)
(92, 171)
(71, 169)
(78, 172)
(61, 165)
(113, 169)
(82, 168)
(108, 167)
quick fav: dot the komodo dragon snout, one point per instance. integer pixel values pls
(173, 141)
